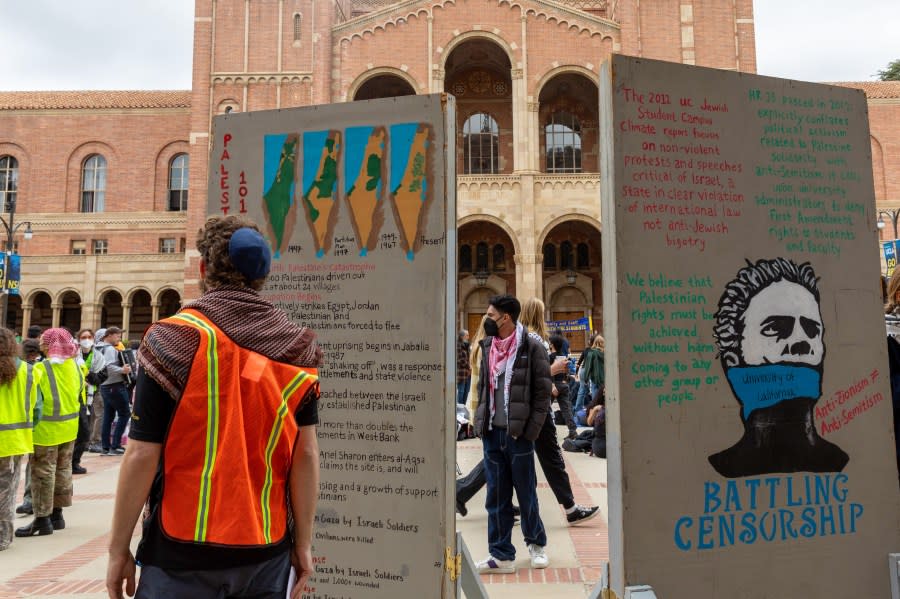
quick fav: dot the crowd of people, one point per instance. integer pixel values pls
(50, 415)
(62, 395)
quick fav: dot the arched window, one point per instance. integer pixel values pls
(93, 184)
(481, 257)
(465, 258)
(499, 257)
(549, 256)
(481, 145)
(565, 255)
(178, 183)
(582, 257)
(228, 106)
(563, 139)
(9, 181)
(298, 22)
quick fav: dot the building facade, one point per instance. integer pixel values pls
(525, 74)
(92, 174)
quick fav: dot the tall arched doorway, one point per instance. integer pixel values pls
(141, 314)
(486, 266)
(569, 125)
(572, 274)
(478, 73)
(70, 312)
(169, 303)
(383, 86)
(111, 309)
(42, 310)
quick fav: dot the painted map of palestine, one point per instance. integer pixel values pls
(365, 157)
(321, 152)
(410, 167)
(279, 208)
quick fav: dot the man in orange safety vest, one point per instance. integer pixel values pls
(222, 439)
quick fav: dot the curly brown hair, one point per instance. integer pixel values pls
(212, 243)
(9, 351)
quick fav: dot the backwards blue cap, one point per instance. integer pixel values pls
(249, 253)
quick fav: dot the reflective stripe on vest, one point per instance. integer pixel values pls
(270, 449)
(212, 422)
(55, 415)
(235, 495)
(29, 421)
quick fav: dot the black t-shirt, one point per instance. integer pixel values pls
(150, 419)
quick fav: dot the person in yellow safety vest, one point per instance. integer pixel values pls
(54, 436)
(18, 412)
(222, 445)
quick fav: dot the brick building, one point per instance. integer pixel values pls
(525, 74)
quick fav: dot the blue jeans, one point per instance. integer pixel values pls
(509, 464)
(115, 404)
(462, 391)
(583, 389)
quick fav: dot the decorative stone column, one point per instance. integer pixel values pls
(90, 315)
(528, 283)
(534, 135)
(528, 274)
(520, 120)
(126, 318)
(154, 308)
(57, 312)
(437, 80)
(26, 318)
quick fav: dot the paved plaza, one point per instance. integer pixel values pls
(71, 564)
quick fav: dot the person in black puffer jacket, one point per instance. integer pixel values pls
(513, 402)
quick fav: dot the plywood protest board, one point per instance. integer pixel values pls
(750, 442)
(357, 203)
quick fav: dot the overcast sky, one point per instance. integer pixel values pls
(146, 44)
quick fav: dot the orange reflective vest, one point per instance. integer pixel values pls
(227, 455)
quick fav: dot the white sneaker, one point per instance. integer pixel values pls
(492, 565)
(539, 558)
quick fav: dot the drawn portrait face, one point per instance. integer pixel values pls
(783, 324)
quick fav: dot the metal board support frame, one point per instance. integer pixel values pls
(469, 580)
(602, 590)
(894, 566)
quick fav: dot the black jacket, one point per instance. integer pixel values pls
(529, 389)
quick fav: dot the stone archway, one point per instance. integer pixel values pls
(568, 123)
(485, 261)
(169, 303)
(569, 302)
(140, 314)
(572, 274)
(111, 309)
(478, 71)
(70, 311)
(42, 310)
(383, 85)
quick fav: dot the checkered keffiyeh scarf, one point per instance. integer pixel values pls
(60, 344)
(168, 349)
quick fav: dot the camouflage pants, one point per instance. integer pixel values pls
(51, 478)
(26, 497)
(9, 482)
(96, 417)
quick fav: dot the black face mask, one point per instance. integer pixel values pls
(490, 328)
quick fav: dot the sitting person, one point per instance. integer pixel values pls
(597, 419)
(593, 440)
